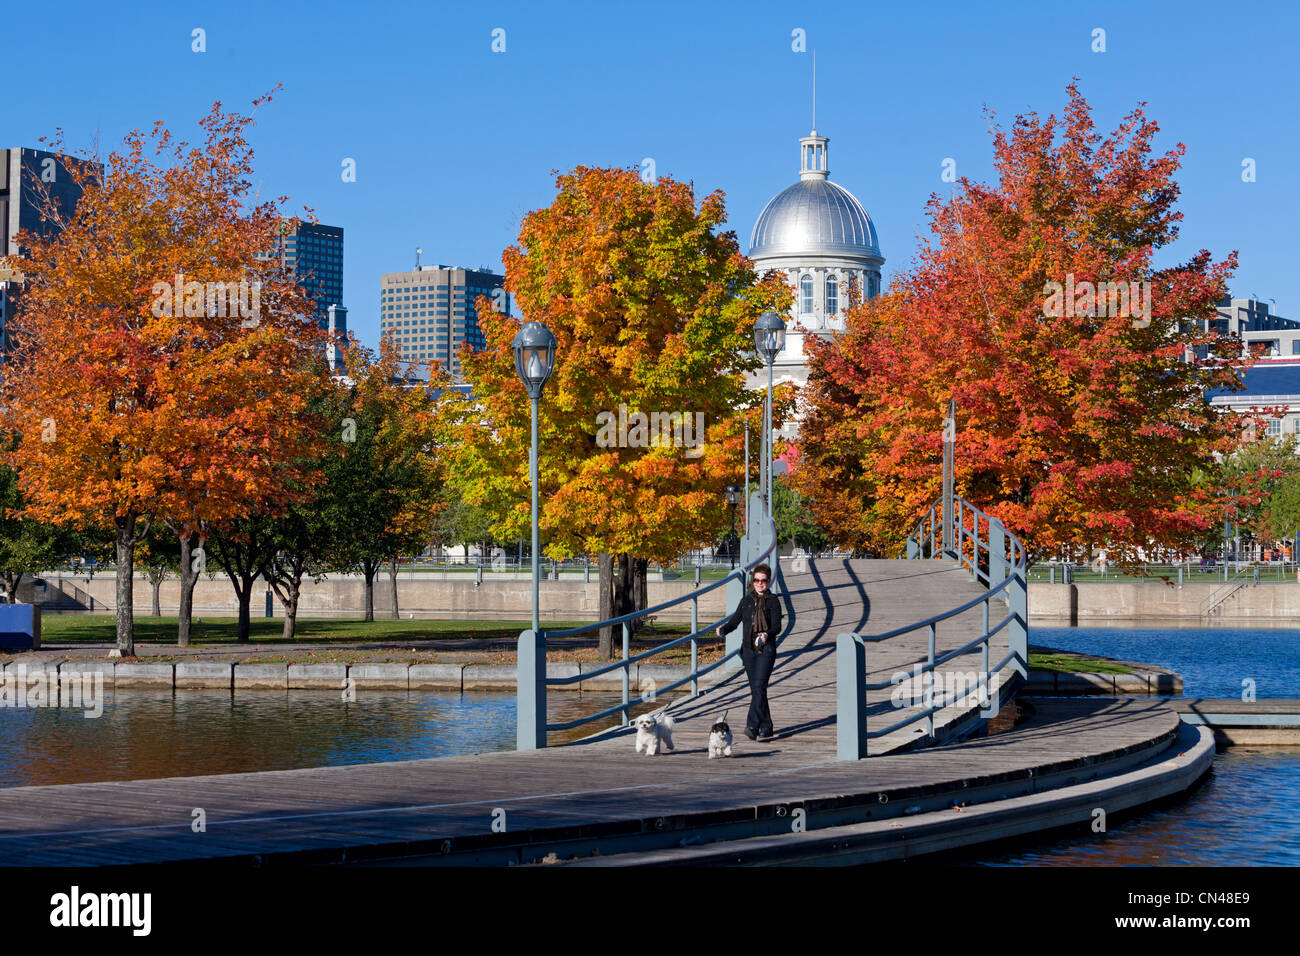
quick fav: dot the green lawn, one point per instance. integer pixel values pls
(71, 628)
(1075, 664)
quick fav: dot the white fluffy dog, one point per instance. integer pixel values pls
(652, 730)
(720, 738)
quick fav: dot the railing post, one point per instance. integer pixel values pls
(1018, 627)
(695, 646)
(913, 549)
(949, 440)
(984, 650)
(997, 553)
(929, 696)
(1180, 575)
(851, 698)
(530, 692)
(627, 642)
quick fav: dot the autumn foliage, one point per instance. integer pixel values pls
(1079, 424)
(653, 308)
(138, 394)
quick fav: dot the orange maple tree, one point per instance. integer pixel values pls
(653, 310)
(1079, 423)
(142, 392)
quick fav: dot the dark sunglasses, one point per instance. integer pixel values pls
(760, 580)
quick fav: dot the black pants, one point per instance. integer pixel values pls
(758, 668)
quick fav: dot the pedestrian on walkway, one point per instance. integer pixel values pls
(760, 612)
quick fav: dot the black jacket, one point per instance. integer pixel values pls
(745, 614)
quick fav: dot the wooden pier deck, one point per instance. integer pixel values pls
(598, 796)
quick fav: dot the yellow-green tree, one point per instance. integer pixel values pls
(653, 309)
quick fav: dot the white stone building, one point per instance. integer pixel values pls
(817, 234)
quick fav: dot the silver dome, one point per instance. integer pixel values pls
(814, 216)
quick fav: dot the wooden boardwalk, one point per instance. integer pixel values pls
(600, 794)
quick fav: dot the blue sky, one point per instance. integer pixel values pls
(454, 143)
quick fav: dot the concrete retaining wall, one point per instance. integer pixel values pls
(568, 599)
(1098, 601)
(370, 676)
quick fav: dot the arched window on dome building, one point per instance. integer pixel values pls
(832, 295)
(806, 295)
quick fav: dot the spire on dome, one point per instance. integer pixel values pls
(814, 157)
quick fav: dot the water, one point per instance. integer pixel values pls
(146, 734)
(1214, 663)
(1244, 814)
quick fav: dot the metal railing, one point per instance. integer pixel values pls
(533, 724)
(1003, 571)
(1214, 603)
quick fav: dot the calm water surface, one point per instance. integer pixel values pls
(145, 734)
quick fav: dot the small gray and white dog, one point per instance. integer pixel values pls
(653, 730)
(720, 739)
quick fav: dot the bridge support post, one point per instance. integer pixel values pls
(851, 698)
(530, 692)
(913, 549)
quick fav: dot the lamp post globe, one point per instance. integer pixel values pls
(534, 348)
(769, 339)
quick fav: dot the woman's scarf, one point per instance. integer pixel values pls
(760, 613)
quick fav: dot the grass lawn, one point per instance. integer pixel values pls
(1075, 664)
(77, 628)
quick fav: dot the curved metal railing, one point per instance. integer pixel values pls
(1003, 572)
(765, 530)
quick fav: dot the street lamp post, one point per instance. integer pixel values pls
(769, 338)
(733, 499)
(534, 349)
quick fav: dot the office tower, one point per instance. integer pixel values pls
(314, 255)
(24, 175)
(430, 311)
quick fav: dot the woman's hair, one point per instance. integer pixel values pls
(764, 569)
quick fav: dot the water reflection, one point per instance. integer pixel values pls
(147, 734)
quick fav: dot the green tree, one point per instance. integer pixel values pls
(793, 514)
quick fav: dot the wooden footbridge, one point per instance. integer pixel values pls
(950, 761)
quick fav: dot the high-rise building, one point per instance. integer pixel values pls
(431, 310)
(24, 175)
(314, 255)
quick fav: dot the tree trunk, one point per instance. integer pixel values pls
(125, 584)
(294, 586)
(392, 576)
(157, 583)
(245, 624)
(616, 598)
(188, 578)
(605, 644)
(369, 569)
(640, 590)
(11, 585)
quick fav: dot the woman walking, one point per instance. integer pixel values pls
(760, 611)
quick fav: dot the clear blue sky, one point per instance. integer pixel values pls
(455, 143)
